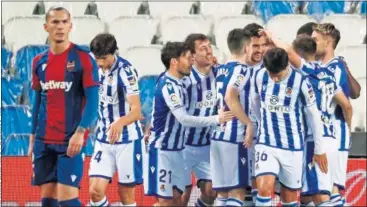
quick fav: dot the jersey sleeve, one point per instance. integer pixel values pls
(307, 93)
(129, 77)
(240, 78)
(305, 68)
(90, 70)
(171, 96)
(35, 80)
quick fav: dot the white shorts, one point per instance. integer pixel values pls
(126, 159)
(251, 156)
(313, 180)
(229, 166)
(197, 160)
(340, 169)
(284, 164)
(163, 172)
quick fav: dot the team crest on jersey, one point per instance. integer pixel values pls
(288, 91)
(70, 65)
(274, 100)
(162, 188)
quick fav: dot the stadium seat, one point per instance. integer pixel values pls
(167, 9)
(134, 30)
(12, 9)
(363, 9)
(178, 27)
(147, 91)
(351, 26)
(221, 57)
(21, 31)
(24, 58)
(109, 11)
(11, 91)
(355, 56)
(15, 145)
(146, 59)
(6, 56)
(285, 26)
(16, 119)
(226, 24)
(75, 8)
(320, 9)
(269, 9)
(220, 9)
(359, 109)
(85, 28)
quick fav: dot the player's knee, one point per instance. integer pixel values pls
(96, 194)
(49, 190)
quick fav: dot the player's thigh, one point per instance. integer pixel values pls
(129, 163)
(102, 162)
(188, 164)
(44, 162)
(201, 165)
(290, 174)
(340, 169)
(49, 190)
(177, 172)
(216, 167)
(266, 166)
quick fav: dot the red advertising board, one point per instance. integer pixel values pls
(17, 191)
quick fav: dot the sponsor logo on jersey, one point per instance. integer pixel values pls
(55, 85)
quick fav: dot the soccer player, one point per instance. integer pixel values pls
(279, 95)
(229, 163)
(200, 87)
(65, 78)
(119, 134)
(328, 94)
(306, 29)
(327, 37)
(165, 166)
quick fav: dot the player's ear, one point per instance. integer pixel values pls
(71, 26)
(45, 27)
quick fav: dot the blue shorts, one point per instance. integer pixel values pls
(51, 164)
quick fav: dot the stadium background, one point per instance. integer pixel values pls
(140, 29)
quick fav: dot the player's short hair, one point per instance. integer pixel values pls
(192, 38)
(307, 28)
(56, 8)
(173, 50)
(103, 44)
(252, 30)
(330, 30)
(304, 45)
(276, 60)
(236, 40)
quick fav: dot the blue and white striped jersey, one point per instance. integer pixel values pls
(281, 109)
(202, 102)
(167, 132)
(236, 75)
(115, 85)
(338, 68)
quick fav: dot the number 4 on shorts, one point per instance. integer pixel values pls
(98, 156)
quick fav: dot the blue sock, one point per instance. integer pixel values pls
(263, 201)
(71, 203)
(291, 204)
(49, 202)
(200, 203)
(233, 202)
(336, 200)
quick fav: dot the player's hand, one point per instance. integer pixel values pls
(225, 116)
(147, 134)
(266, 33)
(321, 160)
(249, 135)
(30, 147)
(75, 144)
(114, 131)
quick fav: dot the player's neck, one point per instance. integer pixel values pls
(250, 62)
(175, 73)
(239, 58)
(58, 48)
(203, 70)
(327, 57)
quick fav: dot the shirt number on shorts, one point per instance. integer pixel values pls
(263, 156)
(98, 156)
(163, 174)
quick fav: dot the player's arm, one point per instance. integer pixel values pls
(314, 118)
(344, 103)
(354, 86)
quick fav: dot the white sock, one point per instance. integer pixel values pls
(233, 202)
(326, 203)
(103, 202)
(263, 201)
(133, 204)
(220, 201)
(290, 204)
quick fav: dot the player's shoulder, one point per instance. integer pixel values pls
(336, 63)
(40, 59)
(124, 65)
(324, 74)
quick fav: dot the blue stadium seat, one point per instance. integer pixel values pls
(6, 55)
(268, 9)
(16, 119)
(11, 91)
(318, 9)
(24, 58)
(15, 145)
(363, 8)
(147, 90)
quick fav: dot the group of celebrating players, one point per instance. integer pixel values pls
(273, 114)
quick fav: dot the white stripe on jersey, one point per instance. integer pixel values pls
(282, 103)
(167, 133)
(116, 84)
(202, 102)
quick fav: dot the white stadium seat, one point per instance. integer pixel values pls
(133, 30)
(14, 9)
(178, 27)
(221, 58)
(352, 27)
(285, 26)
(355, 56)
(146, 59)
(220, 9)
(75, 8)
(226, 24)
(109, 11)
(167, 9)
(21, 31)
(85, 28)
(359, 108)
